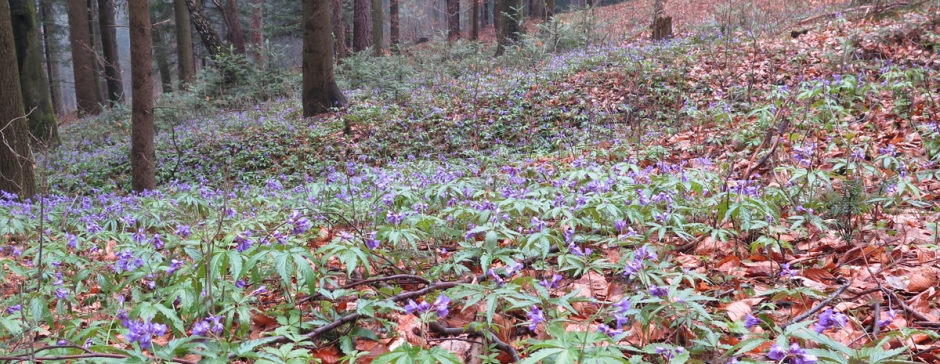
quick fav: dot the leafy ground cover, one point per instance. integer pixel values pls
(732, 195)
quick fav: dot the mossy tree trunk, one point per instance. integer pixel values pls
(16, 166)
(34, 83)
(320, 91)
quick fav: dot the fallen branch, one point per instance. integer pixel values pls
(488, 334)
(822, 304)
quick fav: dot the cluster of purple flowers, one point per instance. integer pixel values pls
(553, 283)
(750, 321)
(785, 271)
(669, 353)
(643, 253)
(804, 154)
(620, 318)
(536, 316)
(440, 306)
(126, 262)
(796, 354)
(299, 223)
(509, 271)
(828, 320)
(141, 331)
(211, 323)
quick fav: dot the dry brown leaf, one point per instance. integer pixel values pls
(737, 310)
(328, 355)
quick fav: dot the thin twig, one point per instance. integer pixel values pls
(488, 334)
(822, 304)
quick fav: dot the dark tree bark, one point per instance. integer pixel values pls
(143, 156)
(549, 9)
(16, 166)
(210, 38)
(475, 19)
(497, 17)
(662, 28)
(538, 8)
(362, 24)
(510, 24)
(184, 43)
(95, 33)
(112, 63)
(394, 32)
(320, 91)
(378, 28)
(257, 32)
(484, 15)
(51, 44)
(34, 85)
(339, 30)
(234, 26)
(161, 54)
(453, 20)
(87, 94)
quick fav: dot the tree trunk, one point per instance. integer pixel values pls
(659, 9)
(453, 20)
(378, 28)
(210, 38)
(112, 65)
(101, 84)
(51, 43)
(497, 17)
(33, 82)
(83, 59)
(339, 30)
(161, 54)
(484, 15)
(538, 8)
(394, 32)
(16, 166)
(549, 9)
(475, 19)
(257, 32)
(184, 43)
(320, 91)
(234, 26)
(662, 28)
(510, 24)
(143, 156)
(362, 24)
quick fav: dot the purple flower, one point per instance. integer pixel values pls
(419, 308)
(604, 329)
(241, 283)
(72, 240)
(62, 293)
(157, 242)
(796, 354)
(750, 321)
(394, 218)
(622, 306)
(785, 271)
(87, 343)
(139, 236)
(300, 224)
(216, 322)
(243, 241)
(261, 290)
(828, 320)
(496, 278)
(891, 315)
(633, 267)
(14, 308)
(183, 231)
(440, 306)
(371, 242)
(536, 316)
(175, 264)
(513, 268)
(576, 250)
(201, 328)
(620, 225)
(553, 283)
(658, 291)
(143, 332)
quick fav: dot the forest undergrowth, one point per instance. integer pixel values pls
(735, 194)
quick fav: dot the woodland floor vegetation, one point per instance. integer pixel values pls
(735, 194)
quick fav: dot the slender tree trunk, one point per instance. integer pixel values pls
(538, 8)
(184, 43)
(484, 15)
(510, 24)
(234, 26)
(320, 91)
(95, 33)
(161, 54)
(549, 9)
(33, 82)
(497, 17)
(16, 166)
(453, 20)
(112, 66)
(475, 19)
(339, 30)
(83, 59)
(257, 32)
(378, 28)
(362, 24)
(394, 33)
(51, 44)
(143, 155)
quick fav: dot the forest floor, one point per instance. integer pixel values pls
(736, 194)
